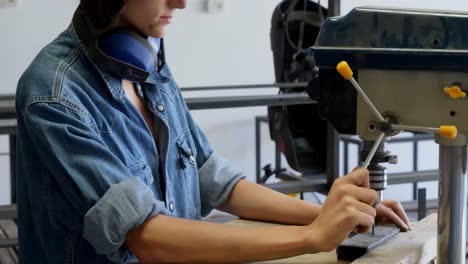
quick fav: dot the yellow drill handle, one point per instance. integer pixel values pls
(448, 131)
(344, 69)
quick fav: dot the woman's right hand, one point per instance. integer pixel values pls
(347, 207)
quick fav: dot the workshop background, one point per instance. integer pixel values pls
(228, 45)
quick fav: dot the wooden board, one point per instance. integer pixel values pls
(417, 246)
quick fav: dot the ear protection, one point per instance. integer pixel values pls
(121, 51)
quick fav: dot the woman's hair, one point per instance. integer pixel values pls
(102, 12)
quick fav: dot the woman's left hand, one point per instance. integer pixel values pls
(391, 212)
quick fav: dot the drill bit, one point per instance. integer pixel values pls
(379, 200)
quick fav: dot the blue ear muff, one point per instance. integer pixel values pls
(120, 51)
(129, 48)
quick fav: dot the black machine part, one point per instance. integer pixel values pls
(295, 25)
(336, 100)
(299, 130)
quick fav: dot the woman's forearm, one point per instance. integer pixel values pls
(165, 239)
(253, 201)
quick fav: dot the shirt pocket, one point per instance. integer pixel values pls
(142, 171)
(188, 162)
(187, 153)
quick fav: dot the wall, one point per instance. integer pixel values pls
(235, 51)
(203, 49)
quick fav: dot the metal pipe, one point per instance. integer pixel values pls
(345, 157)
(412, 177)
(258, 149)
(333, 154)
(415, 168)
(451, 229)
(277, 158)
(288, 85)
(416, 128)
(366, 99)
(373, 150)
(414, 138)
(197, 103)
(13, 168)
(422, 203)
(334, 7)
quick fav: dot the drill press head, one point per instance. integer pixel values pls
(406, 61)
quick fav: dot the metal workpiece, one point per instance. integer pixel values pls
(358, 245)
(452, 204)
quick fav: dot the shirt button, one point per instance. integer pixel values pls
(160, 108)
(171, 206)
(192, 159)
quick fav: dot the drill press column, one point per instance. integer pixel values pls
(451, 247)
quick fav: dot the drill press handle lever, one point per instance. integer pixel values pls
(444, 130)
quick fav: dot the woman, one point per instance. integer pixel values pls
(112, 167)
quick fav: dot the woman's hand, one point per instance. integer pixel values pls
(348, 206)
(391, 212)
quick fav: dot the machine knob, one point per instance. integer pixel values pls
(344, 70)
(448, 131)
(455, 92)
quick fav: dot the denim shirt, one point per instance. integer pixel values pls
(88, 168)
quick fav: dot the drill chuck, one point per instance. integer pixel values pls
(377, 177)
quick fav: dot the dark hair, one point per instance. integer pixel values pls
(102, 12)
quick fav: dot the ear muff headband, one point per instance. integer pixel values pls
(129, 47)
(119, 51)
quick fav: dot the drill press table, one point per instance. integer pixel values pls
(417, 246)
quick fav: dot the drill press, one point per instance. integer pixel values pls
(412, 65)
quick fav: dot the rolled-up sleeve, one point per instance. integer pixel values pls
(217, 178)
(123, 207)
(108, 197)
